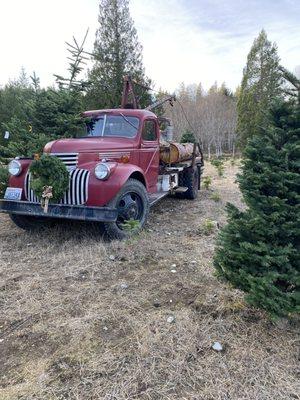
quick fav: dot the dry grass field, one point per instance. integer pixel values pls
(81, 318)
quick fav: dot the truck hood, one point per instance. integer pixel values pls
(88, 145)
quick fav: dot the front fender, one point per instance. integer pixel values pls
(100, 193)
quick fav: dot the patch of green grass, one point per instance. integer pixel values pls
(131, 225)
(207, 228)
(206, 182)
(219, 165)
(216, 197)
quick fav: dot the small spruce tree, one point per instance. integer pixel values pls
(187, 137)
(258, 250)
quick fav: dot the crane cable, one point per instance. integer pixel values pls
(186, 117)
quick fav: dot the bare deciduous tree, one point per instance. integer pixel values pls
(210, 116)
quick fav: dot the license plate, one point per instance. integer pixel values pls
(13, 193)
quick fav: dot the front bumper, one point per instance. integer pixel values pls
(82, 213)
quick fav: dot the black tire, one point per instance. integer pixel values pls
(29, 223)
(190, 178)
(132, 203)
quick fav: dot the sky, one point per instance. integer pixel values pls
(188, 41)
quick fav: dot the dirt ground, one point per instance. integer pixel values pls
(81, 318)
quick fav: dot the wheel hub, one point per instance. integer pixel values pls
(131, 212)
(129, 207)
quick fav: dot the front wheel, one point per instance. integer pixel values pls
(133, 208)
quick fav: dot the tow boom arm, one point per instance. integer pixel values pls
(158, 103)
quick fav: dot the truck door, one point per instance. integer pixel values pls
(149, 155)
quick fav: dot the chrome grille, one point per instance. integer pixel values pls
(69, 159)
(77, 193)
(29, 193)
(78, 188)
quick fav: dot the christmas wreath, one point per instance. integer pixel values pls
(49, 178)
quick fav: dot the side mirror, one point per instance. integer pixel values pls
(6, 135)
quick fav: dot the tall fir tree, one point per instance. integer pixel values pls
(117, 52)
(258, 250)
(261, 84)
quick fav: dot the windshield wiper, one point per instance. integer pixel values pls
(127, 120)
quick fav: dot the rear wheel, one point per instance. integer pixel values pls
(190, 178)
(29, 223)
(133, 208)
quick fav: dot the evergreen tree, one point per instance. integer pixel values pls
(187, 137)
(77, 61)
(16, 110)
(4, 176)
(23, 141)
(15, 98)
(35, 116)
(117, 53)
(261, 84)
(258, 250)
(57, 113)
(225, 91)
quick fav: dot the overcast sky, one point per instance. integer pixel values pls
(184, 40)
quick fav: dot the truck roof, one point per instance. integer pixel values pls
(126, 111)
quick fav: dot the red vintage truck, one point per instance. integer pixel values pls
(118, 169)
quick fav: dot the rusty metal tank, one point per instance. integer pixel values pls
(172, 153)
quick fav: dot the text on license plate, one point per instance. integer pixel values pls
(13, 193)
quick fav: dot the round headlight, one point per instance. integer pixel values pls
(102, 171)
(14, 168)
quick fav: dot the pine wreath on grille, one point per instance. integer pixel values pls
(49, 172)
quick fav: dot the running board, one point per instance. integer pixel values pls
(155, 197)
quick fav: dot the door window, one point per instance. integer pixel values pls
(149, 131)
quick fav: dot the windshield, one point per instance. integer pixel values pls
(113, 126)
